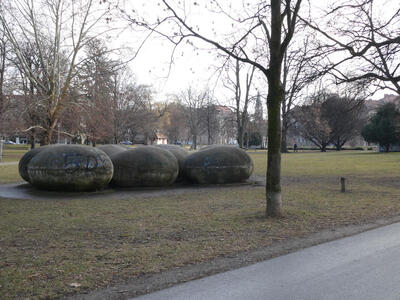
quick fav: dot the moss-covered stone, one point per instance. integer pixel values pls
(70, 168)
(144, 167)
(218, 164)
(180, 153)
(24, 161)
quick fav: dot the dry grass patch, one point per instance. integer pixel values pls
(9, 173)
(13, 152)
(47, 245)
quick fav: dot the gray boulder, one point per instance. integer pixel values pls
(70, 168)
(216, 145)
(180, 153)
(144, 167)
(24, 161)
(111, 149)
(218, 164)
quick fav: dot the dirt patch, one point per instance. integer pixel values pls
(153, 282)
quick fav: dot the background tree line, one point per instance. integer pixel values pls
(67, 80)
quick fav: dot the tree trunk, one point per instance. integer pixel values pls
(323, 148)
(339, 144)
(387, 148)
(240, 136)
(284, 140)
(48, 137)
(274, 100)
(33, 139)
(273, 187)
(194, 142)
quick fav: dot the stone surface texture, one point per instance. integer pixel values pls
(111, 149)
(180, 153)
(70, 168)
(144, 167)
(218, 164)
(24, 161)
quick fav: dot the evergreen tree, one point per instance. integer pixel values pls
(384, 127)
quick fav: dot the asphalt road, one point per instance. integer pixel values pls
(364, 266)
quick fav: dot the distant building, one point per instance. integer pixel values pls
(150, 139)
(372, 105)
(224, 131)
(160, 139)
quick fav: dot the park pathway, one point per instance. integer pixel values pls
(364, 266)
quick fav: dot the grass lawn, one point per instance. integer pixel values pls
(13, 152)
(8, 174)
(47, 245)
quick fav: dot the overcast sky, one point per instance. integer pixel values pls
(153, 66)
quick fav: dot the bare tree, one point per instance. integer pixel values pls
(3, 55)
(210, 120)
(30, 106)
(137, 113)
(269, 25)
(242, 96)
(95, 82)
(259, 123)
(58, 30)
(346, 116)
(171, 123)
(330, 119)
(312, 125)
(295, 77)
(194, 103)
(360, 42)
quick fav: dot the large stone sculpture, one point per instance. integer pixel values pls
(218, 164)
(144, 167)
(180, 153)
(24, 161)
(111, 149)
(70, 168)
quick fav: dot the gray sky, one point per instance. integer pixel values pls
(189, 68)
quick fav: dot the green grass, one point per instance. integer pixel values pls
(45, 245)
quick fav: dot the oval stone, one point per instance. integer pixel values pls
(218, 164)
(70, 168)
(144, 167)
(25, 159)
(111, 149)
(180, 154)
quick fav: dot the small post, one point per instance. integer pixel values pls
(343, 184)
(1, 150)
